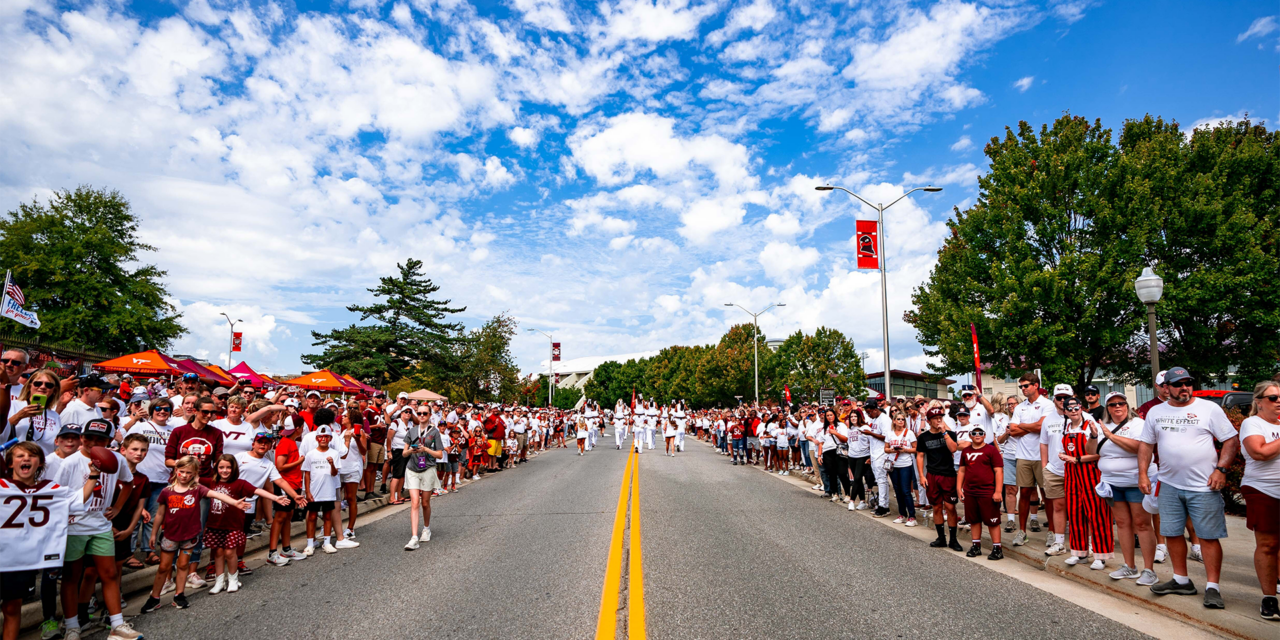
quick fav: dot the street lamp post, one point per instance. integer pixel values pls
(551, 364)
(231, 345)
(1150, 287)
(755, 339)
(884, 295)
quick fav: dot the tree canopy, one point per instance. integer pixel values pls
(77, 259)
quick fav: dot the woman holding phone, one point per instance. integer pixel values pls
(835, 442)
(32, 417)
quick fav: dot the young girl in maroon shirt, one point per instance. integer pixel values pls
(224, 529)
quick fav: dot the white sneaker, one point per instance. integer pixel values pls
(328, 548)
(347, 533)
(899, 520)
(219, 584)
(1098, 565)
(817, 487)
(124, 631)
(1072, 561)
(294, 554)
(1192, 554)
(852, 506)
(194, 581)
(233, 583)
(1055, 549)
(1147, 578)
(169, 586)
(277, 559)
(426, 534)
(347, 543)
(911, 522)
(862, 506)
(309, 551)
(1125, 572)
(71, 634)
(1162, 554)
(413, 544)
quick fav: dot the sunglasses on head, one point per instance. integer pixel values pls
(42, 384)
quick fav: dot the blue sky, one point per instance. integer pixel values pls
(611, 172)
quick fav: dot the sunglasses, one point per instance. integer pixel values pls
(109, 408)
(1272, 398)
(1024, 386)
(1117, 404)
(12, 361)
(1074, 407)
(1061, 398)
(42, 384)
(1179, 384)
(162, 410)
(205, 412)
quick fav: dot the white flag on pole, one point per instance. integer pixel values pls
(11, 301)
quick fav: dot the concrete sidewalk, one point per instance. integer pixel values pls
(1239, 583)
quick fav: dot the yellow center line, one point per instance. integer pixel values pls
(635, 593)
(607, 624)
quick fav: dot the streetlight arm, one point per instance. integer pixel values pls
(902, 196)
(856, 196)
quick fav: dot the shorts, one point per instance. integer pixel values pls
(450, 467)
(1030, 474)
(1262, 512)
(351, 478)
(321, 506)
(1204, 508)
(1127, 494)
(17, 585)
(422, 480)
(753, 443)
(398, 461)
(223, 538)
(171, 546)
(941, 489)
(124, 548)
(375, 455)
(981, 507)
(495, 448)
(98, 544)
(522, 440)
(288, 508)
(1010, 472)
(1055, 486)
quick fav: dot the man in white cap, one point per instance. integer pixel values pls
(1055, 488)
(1162, 394)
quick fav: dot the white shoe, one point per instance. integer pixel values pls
(347, 543)
(862, 506)
(899, 520)
(1019, 538)
(426, 534)
(852, 507)
(195, 581)
(309, 551)
(169, 586)
(413, 544)
(1192, 554)
(1098, 565)
(328, 548)
(276, 559)
(293, 554)
(1125, 572)
(911, 522)
(219, 584)
(817, 487)
(1162, 554)
(233, 583)
(1055, 549)
(1072, 561)
(347, 533)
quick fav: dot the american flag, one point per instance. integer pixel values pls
(14, 292)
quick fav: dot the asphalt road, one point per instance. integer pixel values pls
(728, 553)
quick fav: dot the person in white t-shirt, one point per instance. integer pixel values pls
(258, 469)
(1055, 487)
(320, 480)
(1024, 428)
(1192, 474)
(156, 427)
(1000, 418)
(879, 425)
(1260, 438)
(31, 414)
(237, 433)
(900, 448)
(1118, 464)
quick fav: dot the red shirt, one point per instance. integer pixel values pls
(309, 417)
(495, 428)
(288, 449)
(222, 515)
(183, 438)
(980, 469)
(736, 431)
(182, 512)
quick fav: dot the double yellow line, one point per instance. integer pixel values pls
(607, 624)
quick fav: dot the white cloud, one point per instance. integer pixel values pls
(963, 144)
(1024, 83)
(591, 219)
(651, 21)
(1259, 28)
(784, 262)
(960, 175)
(548, 14)
(754, 16)
(784, 224)
(1213, 121)
(641, 141)
(523, 136)
(1071, 11)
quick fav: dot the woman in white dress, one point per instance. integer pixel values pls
(581, 434)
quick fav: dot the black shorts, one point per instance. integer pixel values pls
(124, 548)
(288, 508)
(16, 585)
(398, 462)
(321, 506)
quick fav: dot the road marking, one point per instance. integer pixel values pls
(635, 592)
(607, 623)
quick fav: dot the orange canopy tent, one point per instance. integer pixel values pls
(324, 380)
(146, 363)
(364, 387)
(218, 370)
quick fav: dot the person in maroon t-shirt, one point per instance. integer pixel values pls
(371, 423)
(981, 471)
(224, 529)
(197, 438)
(1162, 394)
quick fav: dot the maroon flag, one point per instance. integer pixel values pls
(786, 389)
(235, 341)
(555, 352)
(977, 362)
(867, 240)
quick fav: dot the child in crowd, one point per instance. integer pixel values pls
(224, 528)
(320, 478)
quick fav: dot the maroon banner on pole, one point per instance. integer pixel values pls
(786, 389)
(977, 362)
(235, 340)
(555, 352)
(867, 240)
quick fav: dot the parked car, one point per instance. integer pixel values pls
(1228, 400)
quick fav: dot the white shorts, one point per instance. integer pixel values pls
(421, 480)
(351, 478)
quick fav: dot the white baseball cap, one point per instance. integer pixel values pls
(324, 430)
(1063, 390)
(1160, 377)
(402, 394)
(292, 402)
(1114, 394)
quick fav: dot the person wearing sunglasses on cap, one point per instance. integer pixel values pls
(1090, 528)
(1192, 474)
(1260, 437)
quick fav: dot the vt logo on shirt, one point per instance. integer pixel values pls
(973, 457)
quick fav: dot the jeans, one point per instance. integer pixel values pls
(740, 448)
(804, 450)
(902, 478)
(835, 470)
(144, 528)
(860, 469)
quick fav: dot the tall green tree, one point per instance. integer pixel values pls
(409, 330)
(486, 369)
(77, 259)
(809, 363)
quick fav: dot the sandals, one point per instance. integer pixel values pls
(152, 560)
(134, 563)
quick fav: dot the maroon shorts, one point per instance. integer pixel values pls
(981, 508)
(223, 538)
(941, 489)
(1261, 511)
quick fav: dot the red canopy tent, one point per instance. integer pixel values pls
(244, 371)
(205, 374)
(324, 380)
(366, 388)
(146, 363)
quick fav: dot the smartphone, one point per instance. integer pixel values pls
(39, 398)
